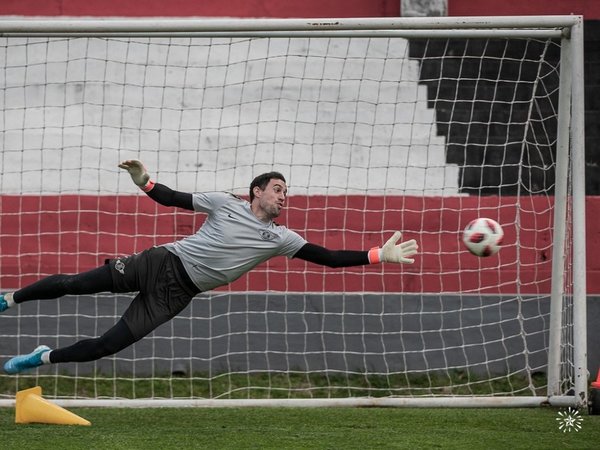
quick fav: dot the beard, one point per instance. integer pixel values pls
(274, 211)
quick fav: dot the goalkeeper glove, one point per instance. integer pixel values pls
(138, 173)
(392, 252)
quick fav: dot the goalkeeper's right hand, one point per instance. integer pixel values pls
(138, 173)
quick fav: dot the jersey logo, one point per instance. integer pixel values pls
(267, 235)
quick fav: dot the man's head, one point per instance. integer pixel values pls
(267, 195)
(262, 181)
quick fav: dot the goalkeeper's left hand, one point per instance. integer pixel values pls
(393, 252)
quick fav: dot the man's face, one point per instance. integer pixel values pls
(272, 199)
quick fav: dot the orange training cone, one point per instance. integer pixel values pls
(596, 384)
(32, 408)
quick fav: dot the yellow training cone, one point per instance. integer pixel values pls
(32, 408)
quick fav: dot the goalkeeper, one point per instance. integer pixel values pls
(236, 236)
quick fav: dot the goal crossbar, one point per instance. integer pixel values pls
(441, 27)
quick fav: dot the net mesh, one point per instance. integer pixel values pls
(374, 135)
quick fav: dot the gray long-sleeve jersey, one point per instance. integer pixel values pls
(231, 241)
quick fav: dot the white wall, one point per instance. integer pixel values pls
(335, 116)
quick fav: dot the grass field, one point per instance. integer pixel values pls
(296, 428)
(275, 385)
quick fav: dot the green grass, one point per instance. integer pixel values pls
(275, 385)
(292, 428)
(295, 428)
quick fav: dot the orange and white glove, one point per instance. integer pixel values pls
(393, 252)
(138, 173)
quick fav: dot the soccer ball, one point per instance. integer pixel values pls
(483, 236)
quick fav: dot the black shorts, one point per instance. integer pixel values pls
(164, 288)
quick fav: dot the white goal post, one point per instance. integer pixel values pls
(379, 124)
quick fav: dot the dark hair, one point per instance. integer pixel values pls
(263, 180)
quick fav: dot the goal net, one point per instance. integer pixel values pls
(378, 125)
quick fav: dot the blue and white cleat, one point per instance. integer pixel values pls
(3, 303)
(24, 362)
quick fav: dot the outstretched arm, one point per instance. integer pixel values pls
(390, 252)
(332, 258)
(156, 191)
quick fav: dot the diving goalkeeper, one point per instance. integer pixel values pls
(236, 236)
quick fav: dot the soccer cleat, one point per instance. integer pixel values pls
(24, 362)
(3, 303)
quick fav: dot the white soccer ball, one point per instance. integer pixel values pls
(483, 236)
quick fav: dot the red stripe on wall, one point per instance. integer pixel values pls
(42, 235)
(205, 8)
(590, 9)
